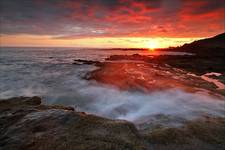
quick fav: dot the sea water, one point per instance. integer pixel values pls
(51, 74)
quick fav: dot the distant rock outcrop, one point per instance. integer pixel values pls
(212, 47)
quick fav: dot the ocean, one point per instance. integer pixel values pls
(51, 74)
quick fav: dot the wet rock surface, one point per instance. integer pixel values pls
(149, 77)
(149, 73)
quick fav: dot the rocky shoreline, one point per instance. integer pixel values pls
(25, 123)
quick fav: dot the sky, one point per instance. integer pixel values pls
(109, 23)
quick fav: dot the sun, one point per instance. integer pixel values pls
(152, 45)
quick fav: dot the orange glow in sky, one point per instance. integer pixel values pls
(107, 42)
(109, 23)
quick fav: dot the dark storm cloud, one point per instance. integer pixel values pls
(100, 18)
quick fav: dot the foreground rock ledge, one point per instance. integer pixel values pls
(26, 124)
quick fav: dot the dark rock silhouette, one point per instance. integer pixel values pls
(213, 47)
(217, 41)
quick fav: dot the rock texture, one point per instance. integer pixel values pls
(26, 124)
(207, 133)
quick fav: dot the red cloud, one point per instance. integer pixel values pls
(94, 18)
